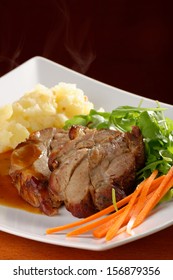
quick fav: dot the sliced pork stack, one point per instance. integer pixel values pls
(29, 168)
(78, 168)
(93, 162)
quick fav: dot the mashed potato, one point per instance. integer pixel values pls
(38, 109)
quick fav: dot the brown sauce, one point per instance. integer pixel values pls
(8, 193)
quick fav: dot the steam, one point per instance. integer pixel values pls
(68, 39)
(79, 47)
(9, 53)
(7, 62)
(77, 40)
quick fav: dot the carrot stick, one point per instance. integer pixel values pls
(114, 229)
(83, 221)
(165, 185)
(141, 200)
(95, 224)
(101, 230)
(103, 225)
(157, 182)
(101, 213)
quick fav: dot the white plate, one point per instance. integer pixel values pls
(33, 226)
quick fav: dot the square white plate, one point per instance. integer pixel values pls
(32, 226)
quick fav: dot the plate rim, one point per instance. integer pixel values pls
(96, 247)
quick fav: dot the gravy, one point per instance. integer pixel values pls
(8, 193)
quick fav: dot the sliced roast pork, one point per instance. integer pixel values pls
(78, 167)
(90, 164)
(29, 167)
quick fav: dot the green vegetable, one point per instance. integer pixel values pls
(157, 131)
(168, 196)
(114, 201)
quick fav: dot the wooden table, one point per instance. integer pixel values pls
(124, 46)
(158, 246)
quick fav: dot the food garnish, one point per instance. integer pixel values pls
(156, 129)
(155, 180)
(133, 210)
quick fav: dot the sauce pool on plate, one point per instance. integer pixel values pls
(8, 193)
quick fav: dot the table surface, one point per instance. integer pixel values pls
(158, 246)
(127, 47)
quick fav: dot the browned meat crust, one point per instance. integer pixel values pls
(91, 164)
(78, 167)
(29, 168)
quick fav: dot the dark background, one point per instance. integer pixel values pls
(124, 43)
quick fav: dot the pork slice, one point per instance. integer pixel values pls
(117, 173)
(29, 168)
(79, 137)
(78, 167)
(112, 164)
(78, 199)
(136, 145)
(70, 169)
(110, 160)
(60, 177)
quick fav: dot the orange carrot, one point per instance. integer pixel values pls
(100, 214)
(165, 185)
(101, 230)
(141, 201)
(97, 215)
(95, 224)
(114, 229)
(105, 223)
(83, 221)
